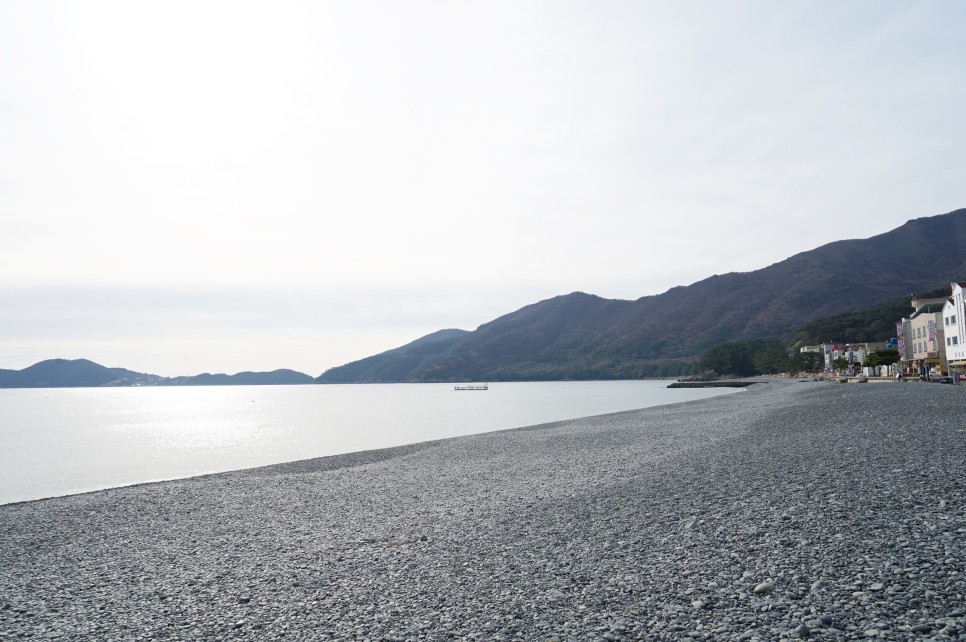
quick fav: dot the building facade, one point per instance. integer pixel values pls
(921, 339)
(854, 353)
(955, 329)
(927, 338)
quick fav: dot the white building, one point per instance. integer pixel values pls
(955, 328)
(854, 353)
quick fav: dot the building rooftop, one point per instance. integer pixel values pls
(929, 308)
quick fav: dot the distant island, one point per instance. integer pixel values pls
(82, 373)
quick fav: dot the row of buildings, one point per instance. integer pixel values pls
(931, 341)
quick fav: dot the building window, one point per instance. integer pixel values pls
(955, 341)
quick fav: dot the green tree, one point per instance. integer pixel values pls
(771, 360)
(881, 358)
(734, 358)
(840, 363)
(807, 362)
(746, 358)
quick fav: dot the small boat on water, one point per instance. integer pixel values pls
(485, 386)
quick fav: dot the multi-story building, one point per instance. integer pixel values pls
(854, 353)
(927, 339)
(954, 326)
(921, 340)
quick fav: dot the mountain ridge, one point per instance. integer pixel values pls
(388, 366)
(84, 373)
(583, 336)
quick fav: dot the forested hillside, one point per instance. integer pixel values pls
(582, 336)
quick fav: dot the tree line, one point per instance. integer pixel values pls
(772, 356)
(750, 358)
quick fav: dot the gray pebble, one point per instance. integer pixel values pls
(568, 531)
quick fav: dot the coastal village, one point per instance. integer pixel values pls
(930, 342)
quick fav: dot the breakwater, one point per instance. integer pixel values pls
(711, 384)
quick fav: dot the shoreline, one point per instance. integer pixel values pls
(57, 484)
(743, 516)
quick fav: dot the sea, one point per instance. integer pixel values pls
(62, 441)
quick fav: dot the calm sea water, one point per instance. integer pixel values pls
(63, 441)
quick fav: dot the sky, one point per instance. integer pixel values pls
(199, 186)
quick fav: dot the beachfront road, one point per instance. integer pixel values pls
(787, 510)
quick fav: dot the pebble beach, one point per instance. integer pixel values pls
(789, 510)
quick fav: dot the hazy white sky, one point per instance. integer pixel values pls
(219, 186)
